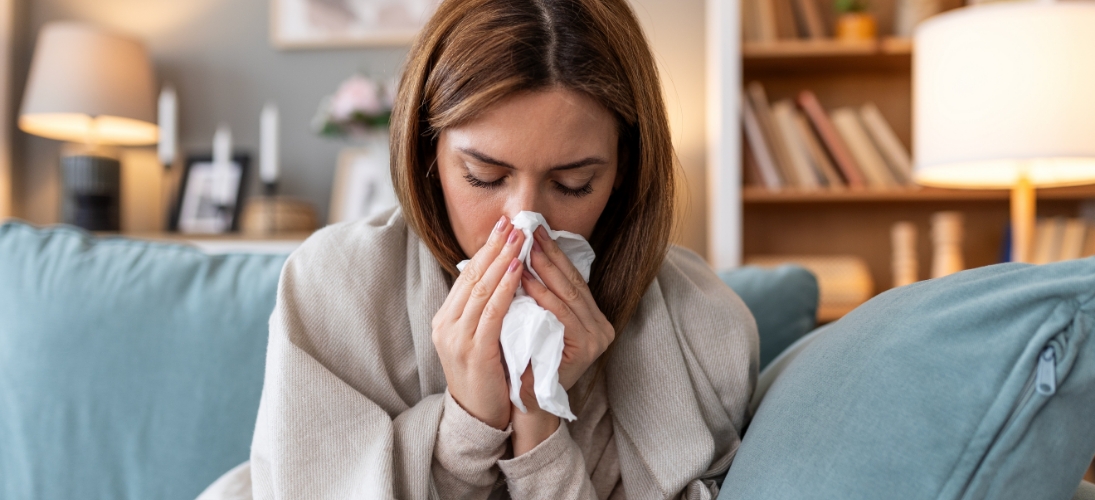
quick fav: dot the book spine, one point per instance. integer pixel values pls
(750, 22)
(831, 139)
(869, 159)
(750, 172)
(1072, 243)
(819, 159)
(784, 114)
(895, 154)
(785, 20)
(811, 18)
(767, 28)
(762, 154)
(776, 144)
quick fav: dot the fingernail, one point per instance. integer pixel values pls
(528, 275)
(513, 265)
(541, 232)
(501, 224)
(536, 246)
(513, 236)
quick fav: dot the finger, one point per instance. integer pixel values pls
(562, 278)
(473, 272)
(482, 291)
(548, 300)
(490, 321)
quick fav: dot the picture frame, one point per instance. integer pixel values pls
(197, 210)
(362, 184)
(318, 24)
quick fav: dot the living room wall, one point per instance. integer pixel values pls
(218, 56)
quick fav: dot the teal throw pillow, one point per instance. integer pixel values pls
(977, 385)
(783, 301)
(128, 370)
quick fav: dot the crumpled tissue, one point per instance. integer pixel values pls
(532, 334)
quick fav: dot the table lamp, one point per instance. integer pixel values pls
(1004, 98)
(93, 88)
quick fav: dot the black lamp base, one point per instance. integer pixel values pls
(92, 192)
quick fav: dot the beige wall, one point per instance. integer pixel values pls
(675, 29)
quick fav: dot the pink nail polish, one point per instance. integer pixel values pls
(501, 224)
(536, 246)
(514, 264)
(513, 236)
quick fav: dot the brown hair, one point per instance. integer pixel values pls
(474, 53)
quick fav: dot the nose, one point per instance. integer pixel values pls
(526, 195)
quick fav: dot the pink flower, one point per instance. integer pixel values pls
(356, 95)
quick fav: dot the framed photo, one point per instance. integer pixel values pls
(302, 24)
(363, 184)
(210, 199)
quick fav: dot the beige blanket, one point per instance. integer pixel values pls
(353, 393)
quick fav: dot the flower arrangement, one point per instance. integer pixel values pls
(360, 105)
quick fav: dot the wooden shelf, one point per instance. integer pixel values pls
(827, 55)
(757, 195)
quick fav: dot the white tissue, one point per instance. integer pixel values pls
(532, 334)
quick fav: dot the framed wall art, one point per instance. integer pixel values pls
(363, 183)
(209, 200)
(303, 24)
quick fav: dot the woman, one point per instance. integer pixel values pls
(384, 375)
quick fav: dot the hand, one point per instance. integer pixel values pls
(588, 332)
(467, 327)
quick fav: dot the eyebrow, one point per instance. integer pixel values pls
(585, 162)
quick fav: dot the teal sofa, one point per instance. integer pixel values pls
(132, 370)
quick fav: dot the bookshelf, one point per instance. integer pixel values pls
(796, 221)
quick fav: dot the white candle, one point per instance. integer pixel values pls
(168, 116)
(222, 165)
(268, 136)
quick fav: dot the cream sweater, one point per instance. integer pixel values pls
(354, 404)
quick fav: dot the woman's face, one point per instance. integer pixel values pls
(552, 152)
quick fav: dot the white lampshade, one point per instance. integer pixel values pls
(1005, 90)
(91, 86)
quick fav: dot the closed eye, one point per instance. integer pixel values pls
(575, 192)
(480, 183)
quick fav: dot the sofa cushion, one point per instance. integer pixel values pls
(128, 370)
(977, 385)
(783, 301)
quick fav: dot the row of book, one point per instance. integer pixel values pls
(1058, 239)
(797, 144)
(771, 20)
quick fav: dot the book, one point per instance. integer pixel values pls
(750, 173)
(870, 161)
(754, 135)
(759, 99)
(893, 151)
(1048, 232)
(750, 24)
(831, 139)
(784, 114)
(820, 160)
(1089, 244)
(1072, 239)
(767, 29)
(785, 20)
(810, 18)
